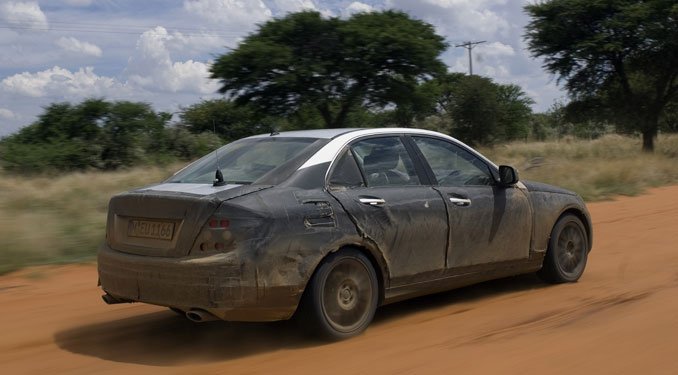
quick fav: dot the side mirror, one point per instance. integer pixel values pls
(508, 176)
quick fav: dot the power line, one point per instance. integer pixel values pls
(205, 35)
(111, 29)
(469, 46)
(125, 26)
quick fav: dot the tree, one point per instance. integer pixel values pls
(481, 111)
(514, 111)
(64, 137)
(623, 53)
(474, 110)
(228, 120)
(92, 134)
(130, 130)
(669, 121)
(332, 65)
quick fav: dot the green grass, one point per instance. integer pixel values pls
(61, 219)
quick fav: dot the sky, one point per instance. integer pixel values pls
(159, 52)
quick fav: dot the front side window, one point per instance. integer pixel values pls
(452, 165)
(385, 162)
(245, 161)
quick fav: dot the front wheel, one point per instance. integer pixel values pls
(342, 296)
(567, 253)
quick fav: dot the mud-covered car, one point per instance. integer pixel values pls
(326, 225)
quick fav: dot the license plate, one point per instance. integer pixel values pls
(160, 230)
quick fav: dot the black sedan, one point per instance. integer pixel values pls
(326, 225)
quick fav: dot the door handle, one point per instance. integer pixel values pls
(372, 201)
(462, 202)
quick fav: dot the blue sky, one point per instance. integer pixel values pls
(159, 51)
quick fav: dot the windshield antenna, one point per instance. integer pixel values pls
(218, 176)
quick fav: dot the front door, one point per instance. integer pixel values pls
(488, 223)
(392, 207)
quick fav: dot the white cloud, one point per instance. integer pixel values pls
(7, 114)
(23, 14)
(499, 72)
(74, 45)
(152, 68)
(357, 7)
(495, 49)
(492, 59)
(458, 18)
(196, 44)
(230, 13)
(285, 6)
(60, 83)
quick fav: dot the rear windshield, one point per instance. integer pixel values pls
(247, 160)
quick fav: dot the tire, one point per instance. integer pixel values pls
(341, 298)
(567, 252)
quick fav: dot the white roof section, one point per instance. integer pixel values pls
(331, 150)
(312, 133)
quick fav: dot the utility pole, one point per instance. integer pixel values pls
(469, 46)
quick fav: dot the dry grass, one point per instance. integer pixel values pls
(62, 219)
(598, 169)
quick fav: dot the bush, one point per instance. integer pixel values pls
(96, 134)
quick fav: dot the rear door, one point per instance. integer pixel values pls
(391, 202)
(488, 223)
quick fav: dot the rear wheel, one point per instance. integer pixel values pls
(341, 298)
(567, 253)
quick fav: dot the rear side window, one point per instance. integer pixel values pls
(346, 172)
(385, 162)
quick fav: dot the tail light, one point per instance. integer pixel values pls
(215, 236)
(215, 223)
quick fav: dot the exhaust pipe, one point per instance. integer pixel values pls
(109, 299)
(200, 316)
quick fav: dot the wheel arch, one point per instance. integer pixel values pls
(374, 256)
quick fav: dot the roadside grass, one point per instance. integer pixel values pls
(61, 219)
(598, 169)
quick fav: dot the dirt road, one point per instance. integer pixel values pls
(621, 318)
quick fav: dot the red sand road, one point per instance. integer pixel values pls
(620, 318)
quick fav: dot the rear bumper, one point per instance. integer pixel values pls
(221, 284)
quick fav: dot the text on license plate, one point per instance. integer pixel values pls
(161, 230)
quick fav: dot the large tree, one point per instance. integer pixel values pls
(229, 121)
(480, 110)
(332, 65)
(620, 53)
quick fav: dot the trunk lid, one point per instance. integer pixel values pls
(164, 220)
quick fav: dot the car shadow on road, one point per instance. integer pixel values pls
(494, 288)
(164, 339)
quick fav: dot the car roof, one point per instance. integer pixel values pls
(330, 151)
(312, 133)
(338, 137)
(334, 133)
